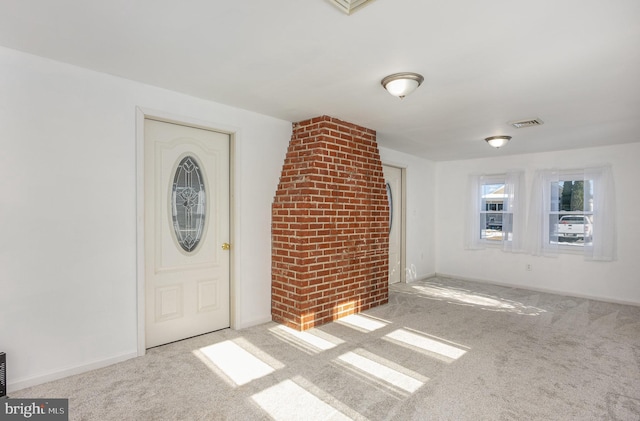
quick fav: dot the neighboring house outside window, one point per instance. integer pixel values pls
(495, 211)
(492, 213)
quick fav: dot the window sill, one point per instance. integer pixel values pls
(569, 248)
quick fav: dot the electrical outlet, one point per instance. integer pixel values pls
(528, 267)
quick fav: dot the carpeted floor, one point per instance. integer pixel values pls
(442, 349)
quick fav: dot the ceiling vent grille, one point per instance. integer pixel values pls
(349, 6)
(526, 123)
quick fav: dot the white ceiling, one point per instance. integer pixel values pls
(575, 64)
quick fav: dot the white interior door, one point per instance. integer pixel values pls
(186, 190)
(393, 179)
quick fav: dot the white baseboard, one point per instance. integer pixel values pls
(34, 381)
(546, 290)
(422, 278)
(252, 322)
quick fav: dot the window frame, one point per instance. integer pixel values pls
(563, 177)
(512, 212)
(491, 180)
(601, 206)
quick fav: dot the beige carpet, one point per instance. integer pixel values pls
(441, 349)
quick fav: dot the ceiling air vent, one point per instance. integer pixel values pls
(349, 6)
(526, 123)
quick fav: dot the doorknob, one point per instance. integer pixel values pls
(226, 246)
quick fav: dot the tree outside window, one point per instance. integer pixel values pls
(571, 216)
(573, 210)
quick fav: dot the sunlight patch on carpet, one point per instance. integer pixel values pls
(236, 363)
(361, 322)
(381, 370)
(426, 344)
(311, 341)
(289, 401)
(486, 302)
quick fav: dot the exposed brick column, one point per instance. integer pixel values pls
(330, 220)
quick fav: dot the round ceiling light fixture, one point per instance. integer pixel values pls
(497, 141)
(402, 84)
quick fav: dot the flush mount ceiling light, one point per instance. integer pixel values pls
(498, 141)
(402, 84)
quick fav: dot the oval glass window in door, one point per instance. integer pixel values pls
(188, 203)
(390, 198)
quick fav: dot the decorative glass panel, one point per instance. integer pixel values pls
(188, 203)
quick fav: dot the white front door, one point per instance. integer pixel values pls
(393, 179)
(186, 212)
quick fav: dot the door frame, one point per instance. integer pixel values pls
(141, 115)
(403, 222)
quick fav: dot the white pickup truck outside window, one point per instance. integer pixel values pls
(571, 216)
(560, 200)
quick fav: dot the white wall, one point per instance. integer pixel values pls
(420, 212)
(68, 212)
(569, 274)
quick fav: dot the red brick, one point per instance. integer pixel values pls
(329, 225)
